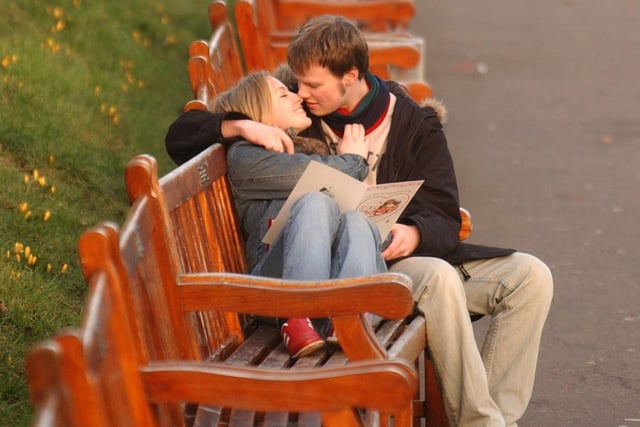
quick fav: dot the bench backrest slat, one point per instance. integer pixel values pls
(198, 199)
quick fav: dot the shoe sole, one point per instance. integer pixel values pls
(309, 349)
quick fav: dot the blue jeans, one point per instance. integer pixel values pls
(320, 243)
(261, 181)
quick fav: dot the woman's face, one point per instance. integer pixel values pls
(286, 107)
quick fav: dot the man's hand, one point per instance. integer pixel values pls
(269, 137)
(353, 141)
(406, 239)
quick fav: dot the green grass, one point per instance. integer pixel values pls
(84, 87)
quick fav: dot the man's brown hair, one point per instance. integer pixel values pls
(329, 41)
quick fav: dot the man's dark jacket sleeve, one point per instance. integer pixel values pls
(193, 131)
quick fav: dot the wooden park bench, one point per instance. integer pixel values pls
(264, 44)
(208, 254)
(111, 371)
(380, 16)
(216, 64)
(196, 354)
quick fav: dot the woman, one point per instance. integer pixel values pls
(318, 242)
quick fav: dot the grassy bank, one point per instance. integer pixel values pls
(84, 87)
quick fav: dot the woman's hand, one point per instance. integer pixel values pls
(353, 141)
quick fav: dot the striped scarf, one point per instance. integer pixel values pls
(370, 112)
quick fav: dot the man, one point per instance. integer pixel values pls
(329, 60)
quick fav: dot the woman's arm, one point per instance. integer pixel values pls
(256, 173)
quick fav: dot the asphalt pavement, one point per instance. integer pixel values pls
(544, 126)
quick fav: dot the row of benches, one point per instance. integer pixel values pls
(171, 332)
(218, 63)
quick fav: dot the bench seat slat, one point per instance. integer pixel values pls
(411, 342)
(255, 347)
(276, 419)
(241, 418)
(207, 415)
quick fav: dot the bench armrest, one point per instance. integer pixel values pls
(344, 300)
(387, 295)
(300, 390)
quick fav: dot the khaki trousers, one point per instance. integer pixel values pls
(491, 386)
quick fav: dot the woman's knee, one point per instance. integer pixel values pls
(316, 204)
(357, 224)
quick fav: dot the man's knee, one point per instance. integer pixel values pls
(434, 274)
(541, 278)
(536, 278)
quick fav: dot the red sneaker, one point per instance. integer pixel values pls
(300, 337)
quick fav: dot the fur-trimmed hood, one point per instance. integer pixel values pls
(438, 106)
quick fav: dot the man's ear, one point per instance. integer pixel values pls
(351, 76)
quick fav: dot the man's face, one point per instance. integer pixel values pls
(323, 92)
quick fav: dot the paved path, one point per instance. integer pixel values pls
(544, 107)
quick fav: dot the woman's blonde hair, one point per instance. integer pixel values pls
(251, 96)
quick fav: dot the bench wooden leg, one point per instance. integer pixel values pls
(435, 414)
